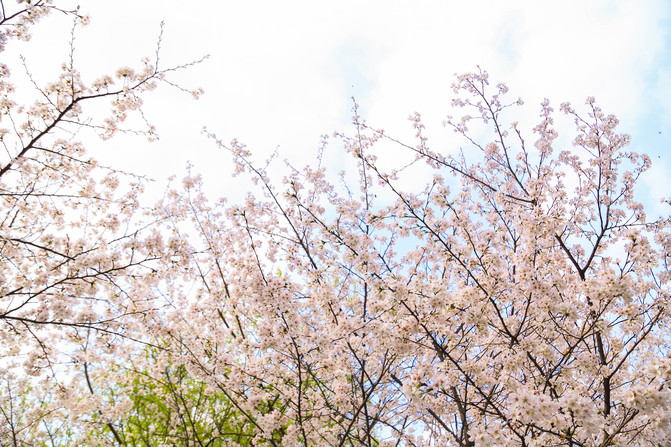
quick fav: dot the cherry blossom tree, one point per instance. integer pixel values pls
(76, 248)
(519, 299)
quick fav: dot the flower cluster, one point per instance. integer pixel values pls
(486, 310)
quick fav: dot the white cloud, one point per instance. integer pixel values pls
(281, 73)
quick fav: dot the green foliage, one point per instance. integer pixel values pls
(174, 409)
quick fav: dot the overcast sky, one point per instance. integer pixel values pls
(281, 73)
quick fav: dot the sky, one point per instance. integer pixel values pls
(280, 74)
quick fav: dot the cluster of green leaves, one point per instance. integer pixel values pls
(172, 409)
